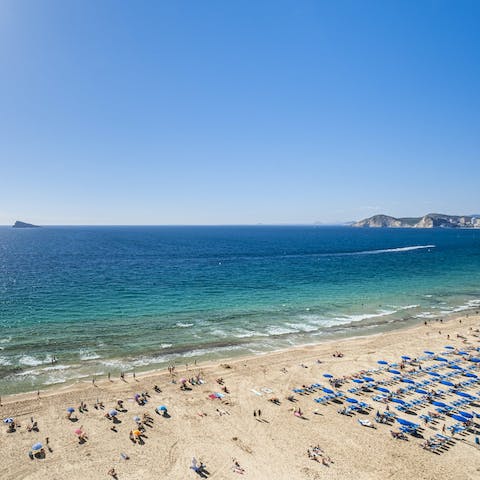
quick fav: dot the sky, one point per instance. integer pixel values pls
(246, 112)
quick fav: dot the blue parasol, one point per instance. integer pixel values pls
(460, 418)
(351, 400)
(428, 352)
(327, 375)
(398, 400)
(113, 413)
(395, 372)
(401, 421)
(369, 379)
(383, 389)
(327, 390)
(423, 392)
(357, 380)
(463, 394)
(37, 446)
(382, 362)
(445, 382)
(407, 380)
(439, 404)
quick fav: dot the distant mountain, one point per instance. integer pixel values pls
(431, 220)
(19, 224)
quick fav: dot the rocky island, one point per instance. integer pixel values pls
(431, 220)
(19, 224)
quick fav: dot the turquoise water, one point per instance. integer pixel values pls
(105, 299)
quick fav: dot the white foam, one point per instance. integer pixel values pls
(6, 340)
(56, 367)
(240, 333)
(279, 330)
(184, 325)
(86, 354)
(30, 361)
(4, 361)
(365, 316)
(303, 327)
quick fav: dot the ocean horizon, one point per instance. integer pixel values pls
(105, 299)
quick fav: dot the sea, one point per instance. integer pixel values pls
(109, 299)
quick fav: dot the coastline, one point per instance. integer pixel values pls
(405, 325)
(216, 438)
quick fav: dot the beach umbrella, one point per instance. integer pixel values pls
(407, 380)
(382, 362)
(78, 431)
(395, 372)
(37, 446)
(463, 394)
(460, 418)
(398, 400)
(137, 433)
(8, 420)
(136, 419)
(465, 414)
(471, 375)
(113, 413)
(70, 409)
(428, 352)
(327, 390)
(439, 404)
(462, 353)
(162, 408)
(401, 421)
(445, 382)
(455, 367)
(434, 374)
(351, 400)
(357, 380)
(383, 389)
(441, 359)
(423, 392)
(369, 379)
(406, 357)
(327, 375)
(475, 360)
(449, 347)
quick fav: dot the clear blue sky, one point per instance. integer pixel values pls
(217, 112)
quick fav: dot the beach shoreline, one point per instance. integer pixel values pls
(378, 330)
(211, 438)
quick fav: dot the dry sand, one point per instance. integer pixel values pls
(272, 448)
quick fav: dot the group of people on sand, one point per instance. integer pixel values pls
(236, 468)
(316, 453)
(337, 354)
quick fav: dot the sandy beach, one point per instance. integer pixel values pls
(216, 431)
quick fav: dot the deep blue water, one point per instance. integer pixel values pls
(109, 298)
